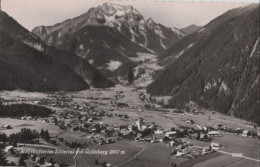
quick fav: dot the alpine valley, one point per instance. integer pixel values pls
(113, 88)
(215, 65)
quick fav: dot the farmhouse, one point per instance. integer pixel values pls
(205, 137)
(215, 146)
(171, 135)
(6, 126)
(244, 133)
(214, 133)
(8, 148)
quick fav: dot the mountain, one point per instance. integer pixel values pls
(179, 32)
(190, 29)
(109, 37)
(27, 63)
(23, 67)
(217, 67)
(125, 19)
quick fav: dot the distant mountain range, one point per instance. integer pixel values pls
(190, 29)
(216, 66)
(28, 63)
(109, 37)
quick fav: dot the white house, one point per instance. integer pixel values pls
(214, 133)
(171, 134)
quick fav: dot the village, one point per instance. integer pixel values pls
(112, 119)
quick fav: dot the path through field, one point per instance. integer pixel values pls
(233, 154)
(135, 156)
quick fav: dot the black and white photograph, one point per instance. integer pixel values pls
(129, 83)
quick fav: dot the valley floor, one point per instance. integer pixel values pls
(132, 153)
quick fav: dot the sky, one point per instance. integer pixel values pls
(32, 13)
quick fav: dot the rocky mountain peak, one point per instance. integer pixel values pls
(126, 20)
(114, 12)
(109, 5)
(150, 23)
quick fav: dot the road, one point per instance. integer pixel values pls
(134, 157)
(232, 154)
(252, 159)
(75, 156)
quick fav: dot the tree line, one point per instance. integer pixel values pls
(19, 110)
(26, 135)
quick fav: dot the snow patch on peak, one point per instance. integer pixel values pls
(190, 45)
(180, 54)
(202, 29)
(142, 56)
(177, 31)
(158, 31)
(81, 47)
(113, 65)
(115, 6)
(162, 44)
(223, 87)
(110, 21)
(36, 46)
(91, 61)
(105, 44)
(254, 48)
(150, 23)
(209, 85)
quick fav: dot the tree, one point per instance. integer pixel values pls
(46, 135)
(21, 161)
(3, 137)
(146, 132)
(12, 151)
(173, 129)
(38, 136)
(51, 161)
(20, 110)
(198, 135)
(3, 160)
(130, 76)
(96, 161)
(63, 164)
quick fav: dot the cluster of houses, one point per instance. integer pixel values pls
(36, 159)
(18, 101)
(61, 102)
(88, 119)
(242, 132)
(175, 138)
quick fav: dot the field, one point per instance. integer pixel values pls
(17, 125)
(156, 155)
(223, 160)
(198, 160)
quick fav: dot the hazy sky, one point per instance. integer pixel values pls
(32, 13)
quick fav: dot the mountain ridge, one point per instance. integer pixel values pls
(216, 66)
(126, 19)
(190, 29)
(14, 30)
